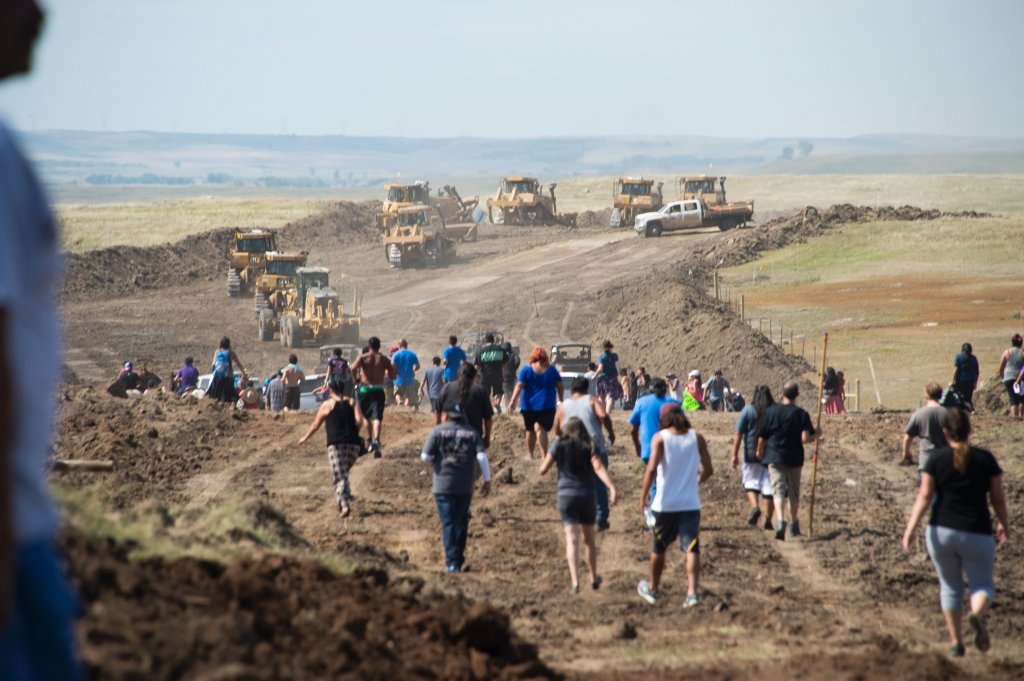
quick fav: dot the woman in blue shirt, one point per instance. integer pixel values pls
(222, 387)
(607, 375)
(540, 385)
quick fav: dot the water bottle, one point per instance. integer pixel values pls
(649, 516)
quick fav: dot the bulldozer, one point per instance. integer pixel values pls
(701, 187)
(279, 276)
(448, 202)
(311, 311)
(632, 196)
(247, 258)
(521, 201)
(419, 236)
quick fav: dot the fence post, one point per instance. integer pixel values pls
(858, 394)
(743, 307)
(716, 284)
(791, 342)
(803, 342)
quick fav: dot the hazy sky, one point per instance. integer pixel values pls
(527, 68)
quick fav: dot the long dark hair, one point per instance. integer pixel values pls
(225, 343)
(957, 424)
(578, 447)
(762, 400)
(467, 374)
(831, 380)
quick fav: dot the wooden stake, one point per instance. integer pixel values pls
(817, 440)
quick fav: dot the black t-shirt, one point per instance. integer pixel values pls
(961, 501)
(130, 381)
(477, 408)
(576, 477)
(489, 359)
(783, 426)
(341, 425)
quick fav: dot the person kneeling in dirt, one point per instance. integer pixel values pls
(455, 448)
(579, 468)
(342, 418)
(187, 378)
(680, 462)
(756, 479)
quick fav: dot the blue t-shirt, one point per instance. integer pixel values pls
(646, 414)
(967, 367)
(539, 390)
(453, 357)
(746, 424)
(404, 360)
(608, 361)
(434, 376)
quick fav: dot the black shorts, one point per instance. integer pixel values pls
(577, 510)
(1015, 399)
(371, 402)
(434, 406)
(493, 385)
(684, 525)
(545, 417)
(292, 397)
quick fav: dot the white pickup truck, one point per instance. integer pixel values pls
(691, 214)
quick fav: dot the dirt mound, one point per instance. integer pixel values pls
(277, 617)
(122, 271)
(591, 219)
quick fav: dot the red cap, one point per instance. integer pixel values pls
(670, 408)
(394, 349)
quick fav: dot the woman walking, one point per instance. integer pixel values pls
(609, 387)
(222, 387)
(755, 477)
(578, 462)
(833, 393)
(1010, 365)
(965, 374)
(540, 386)
(343, 419)
(961, 479)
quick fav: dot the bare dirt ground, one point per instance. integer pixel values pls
(844, 604)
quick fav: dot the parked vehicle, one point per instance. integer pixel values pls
(691, 214)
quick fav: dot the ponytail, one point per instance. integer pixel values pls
(957, 425)
(467, 374)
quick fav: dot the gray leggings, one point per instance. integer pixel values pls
(954, 553)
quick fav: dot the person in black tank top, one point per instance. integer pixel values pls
(342, 419)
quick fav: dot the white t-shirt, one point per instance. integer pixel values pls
(30, 266)
(677, 474)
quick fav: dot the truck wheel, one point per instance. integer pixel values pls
(653, 229)
(430, 255)
(727, 224)
(395, 256)
(266, 325)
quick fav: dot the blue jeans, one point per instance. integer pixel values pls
(454, 512)
(602, 492)
(38, 643)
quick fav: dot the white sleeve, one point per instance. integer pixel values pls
(485, 465)
(427, 458)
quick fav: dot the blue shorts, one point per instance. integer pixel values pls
(38, 642)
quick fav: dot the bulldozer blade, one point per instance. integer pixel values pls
(616, 220)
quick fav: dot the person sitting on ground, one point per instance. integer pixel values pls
(151, 389)
(784, 430)
(293, 376)
(454, 356)
(679, 463)
(275, 392)
(590, 411)
(540, 385)
(925, 423)
(609, 385)
(242, 381)
(961, 479)
(431, 385)
(579, 463)
(717, 391)
(187, 378)
(145, 376)
(343, 419)
(755, 477)
(1011, 363)
(129, 379)
(466, 396)
(456, 450)
(966, 373)
(222, 386)
(406, 365)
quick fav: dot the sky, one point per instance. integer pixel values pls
(527, 68)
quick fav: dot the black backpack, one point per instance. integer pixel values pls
(951, 397)
(738, 402)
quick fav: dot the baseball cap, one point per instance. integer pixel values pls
(394, 349)
(669, 408)
(127, 365)
(670, 374)
(694, 374)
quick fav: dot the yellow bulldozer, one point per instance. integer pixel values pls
(418, 237)
(521, 201)
(279, 276)
(448, 203)
(632, 196)
(311, 311)
(709, 188)
(247, 258)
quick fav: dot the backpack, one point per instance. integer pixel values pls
(952, 398)
(738, 402)
(513, 364)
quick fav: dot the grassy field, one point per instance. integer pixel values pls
(907, 295)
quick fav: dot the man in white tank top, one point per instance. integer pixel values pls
(680, 462)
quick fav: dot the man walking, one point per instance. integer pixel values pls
(431, 385)
(925, 423)
(37, 637)
(469, 398)
(406, 365)
(785, 429)
(454, 356)
(491, 363)
(643, 422)
(455, 449)
(716, 391)
(292, 376)
(590, 410)
(275, 393)
(511, 373)
(372, 367)
(966, 373)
